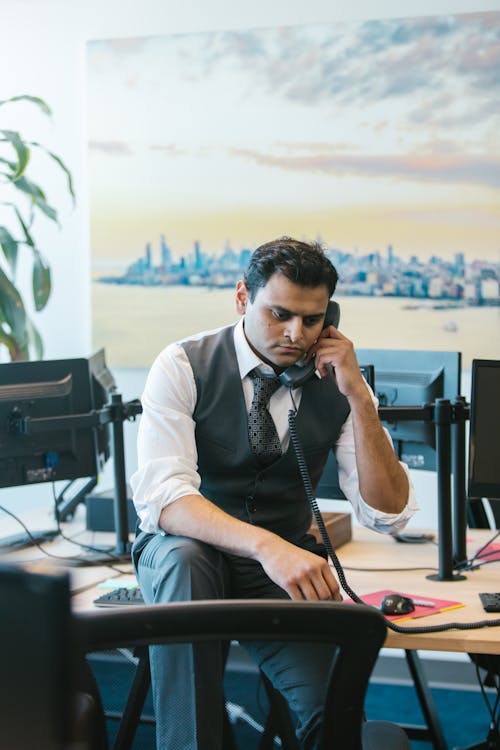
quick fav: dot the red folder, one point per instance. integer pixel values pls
(438, 605)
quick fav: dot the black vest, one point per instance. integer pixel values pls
(231, 476)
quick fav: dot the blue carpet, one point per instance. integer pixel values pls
(463, 714)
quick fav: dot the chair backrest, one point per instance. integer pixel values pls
(483, 513)
(36, 693)
(357, 631)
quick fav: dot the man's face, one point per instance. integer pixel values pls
(284, 320)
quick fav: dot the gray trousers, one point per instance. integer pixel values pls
(187, 679)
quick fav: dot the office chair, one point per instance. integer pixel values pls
(357, 631)
(37, 695)
(477, 513)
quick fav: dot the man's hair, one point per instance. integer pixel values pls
(303, 263)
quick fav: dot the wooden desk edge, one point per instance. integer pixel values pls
(450, 640)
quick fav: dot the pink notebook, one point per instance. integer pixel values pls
(439, 605)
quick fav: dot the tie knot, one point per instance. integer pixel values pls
(263, 386)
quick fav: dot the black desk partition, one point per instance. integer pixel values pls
(448, 422)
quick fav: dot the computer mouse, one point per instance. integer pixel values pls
(396, 604)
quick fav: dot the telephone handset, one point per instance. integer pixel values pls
(296, 375)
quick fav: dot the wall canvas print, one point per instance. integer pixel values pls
(381, 139)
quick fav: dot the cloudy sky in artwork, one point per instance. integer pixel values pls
(363, 134)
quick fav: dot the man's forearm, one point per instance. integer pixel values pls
(195, 516)
(302, 574)
(383, 483)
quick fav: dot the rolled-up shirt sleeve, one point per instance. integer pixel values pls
(166, 446)
(385, 523)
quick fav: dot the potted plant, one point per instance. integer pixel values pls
(21, 202)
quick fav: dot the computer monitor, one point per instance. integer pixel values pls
(58, 420)
(32, 393)
(484, 463)
(405, 378)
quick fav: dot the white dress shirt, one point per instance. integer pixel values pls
(167, 454)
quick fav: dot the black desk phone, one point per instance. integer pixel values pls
(296, 375)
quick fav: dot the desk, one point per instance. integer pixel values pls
(372, 562)
(83, 580)
(371, 550)
(366, 550)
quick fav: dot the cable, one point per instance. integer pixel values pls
(386, 570)
(28, 532)
(35, 542)
(82, 545)
(490, 541)
(480, 565)
(477, 556)
(306, 480)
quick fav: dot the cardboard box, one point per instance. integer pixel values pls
(338, 527)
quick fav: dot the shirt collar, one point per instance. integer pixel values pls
(246, 357)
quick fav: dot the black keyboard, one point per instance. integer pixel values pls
(490, 602)
(121, 596)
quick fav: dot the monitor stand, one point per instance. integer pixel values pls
(117, 413)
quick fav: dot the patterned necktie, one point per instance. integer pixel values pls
(262, 434)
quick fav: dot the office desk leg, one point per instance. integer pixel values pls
(434, 731)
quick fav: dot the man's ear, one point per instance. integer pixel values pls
(242, 297)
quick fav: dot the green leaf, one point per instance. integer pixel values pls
(37, 196)
(35, 339)
(33, 99)
(30, 187)
(22, 150)
(20, 349)
(61, 164)
(17, 331)
(12, 310)
(28, 238)
(9, 341)
(10, 164)
(9, 247)
(41, 281)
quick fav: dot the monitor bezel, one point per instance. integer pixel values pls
(477, 487)
(24, 386)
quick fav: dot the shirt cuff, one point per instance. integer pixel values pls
(386, 523)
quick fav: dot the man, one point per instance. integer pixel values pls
(220, 520)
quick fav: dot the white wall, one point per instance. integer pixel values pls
(42, 52)
(42, 48)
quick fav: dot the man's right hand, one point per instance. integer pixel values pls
(302, 574)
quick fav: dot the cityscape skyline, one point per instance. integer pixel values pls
(462, 280)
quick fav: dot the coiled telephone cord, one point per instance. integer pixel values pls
(306, 480)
